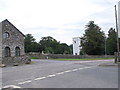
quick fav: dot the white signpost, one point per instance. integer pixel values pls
(119, 19)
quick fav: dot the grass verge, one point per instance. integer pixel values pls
(81, 59)
(34, 58)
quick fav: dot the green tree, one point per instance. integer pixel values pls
(48, 44)
(63, 48)
(111, 42)
(51, 45)
(31, 45)
(93, 41)
(71, 48)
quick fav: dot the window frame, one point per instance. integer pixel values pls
(6, 35)
(7, 52)
(17, 51)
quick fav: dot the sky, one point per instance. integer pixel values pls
(60, 19)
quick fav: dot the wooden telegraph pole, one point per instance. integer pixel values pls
(117, 34)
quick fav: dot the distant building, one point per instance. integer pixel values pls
(11, 43)
(76, 46)
(119, 18)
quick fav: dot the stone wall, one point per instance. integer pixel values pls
(78, 56)
(56, 56)
(19, 60)
(37, 55)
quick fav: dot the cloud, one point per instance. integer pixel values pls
(61, 19)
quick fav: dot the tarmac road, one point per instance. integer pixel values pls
(61, 74)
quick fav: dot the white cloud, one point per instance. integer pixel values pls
(61, 19)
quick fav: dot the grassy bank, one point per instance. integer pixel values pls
(34, 58)
(82, 59)
(64, 59)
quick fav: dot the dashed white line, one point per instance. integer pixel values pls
(74, 69)
(68, 71)
(40, 78)
(83, 68)
(11, 86)
(60, 73)
(51, 75)
(87, 67)
(25, 82)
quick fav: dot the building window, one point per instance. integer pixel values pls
(6, 25)
(75, 53)
(17, 51)
(7, 52)
(74, 41)
(6, 35)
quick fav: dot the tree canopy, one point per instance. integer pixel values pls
(93, 40)
(111, 42)
(30, 44)
(47, 45)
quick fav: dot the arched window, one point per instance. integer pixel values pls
(7, 52)
(6, 35)
(17, 51)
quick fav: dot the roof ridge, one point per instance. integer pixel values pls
(13, 26)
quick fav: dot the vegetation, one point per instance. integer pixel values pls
(111, 42)
(93, 42)
(34, 58)
(81, 59)
(30, 44)
(46, 45)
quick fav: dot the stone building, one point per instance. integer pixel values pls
(11, 43)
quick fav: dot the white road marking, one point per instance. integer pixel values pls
(87, 67)
(68, 71)
(25, 82)
(40, 78)
(84, 68)
(74, 69)
(28, 67)
(60, 73)
(11, 86)
(51, 75)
